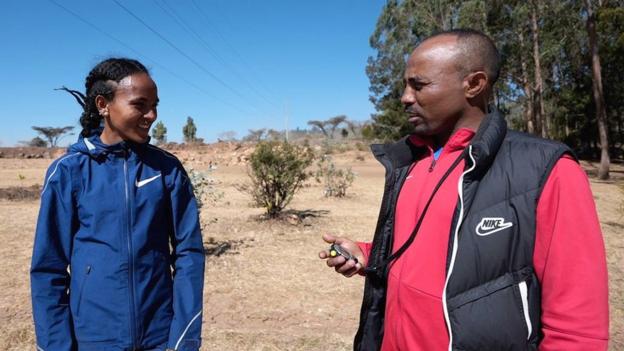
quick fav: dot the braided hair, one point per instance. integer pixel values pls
(101, 81)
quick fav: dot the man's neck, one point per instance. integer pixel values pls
(471, 119)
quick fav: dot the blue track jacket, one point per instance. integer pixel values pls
(118, 259)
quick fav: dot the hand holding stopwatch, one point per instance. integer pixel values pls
(336, 250)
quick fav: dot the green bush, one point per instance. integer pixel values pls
(204, 188)
(159, 133)
(277, 170)
(336, 181)
(368, 132)
(361, 146)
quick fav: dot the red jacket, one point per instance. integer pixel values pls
(569, 258)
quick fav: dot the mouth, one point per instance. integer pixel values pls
(414, 118)
(145, 126)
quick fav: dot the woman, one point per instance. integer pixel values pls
(111, 209)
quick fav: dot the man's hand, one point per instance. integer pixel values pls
(345, 267)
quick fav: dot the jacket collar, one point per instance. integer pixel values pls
(485, 145)
(94, 147)
(487, 141)
(399, 154)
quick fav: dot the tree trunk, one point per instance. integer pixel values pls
(601, 112)
(529, 116)
(540, 116)
(620, 130)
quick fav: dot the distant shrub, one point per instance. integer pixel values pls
(335, 181)
(37, 142)
(361, 146)
(189, 131)
(327, 148)
(159, 133)
(277, 170)
(368, 132)
(204, 188)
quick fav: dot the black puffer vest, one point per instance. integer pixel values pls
(492, 295)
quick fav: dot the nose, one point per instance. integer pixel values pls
(408, 97)
(151, 115)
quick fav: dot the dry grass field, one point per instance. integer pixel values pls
(265, 288)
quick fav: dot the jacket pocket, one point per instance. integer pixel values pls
(81, 289)
(494, 315)
(98, 304)
(524, 296)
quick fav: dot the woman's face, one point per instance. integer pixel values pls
(131, 112)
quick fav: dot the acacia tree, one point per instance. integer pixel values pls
(37, 142)
(255, 134)
(352, 126)
(320, 125)
(52, 134)
(334, 122)
(229, 135)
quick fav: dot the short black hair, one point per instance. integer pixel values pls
(477, 50)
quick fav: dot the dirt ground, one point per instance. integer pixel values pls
(265, 288)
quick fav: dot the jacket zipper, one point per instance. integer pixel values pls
(433, 158)
(133, 327)
(433, 162)
(460, 190)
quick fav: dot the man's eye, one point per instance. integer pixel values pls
(417, 86)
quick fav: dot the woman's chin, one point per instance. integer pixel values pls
(140, 136)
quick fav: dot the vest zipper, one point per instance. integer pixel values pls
(460, 188)
(133, 326)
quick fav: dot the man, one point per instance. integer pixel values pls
(487, 239)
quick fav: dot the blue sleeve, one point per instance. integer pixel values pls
(188, 280)
(49, 277)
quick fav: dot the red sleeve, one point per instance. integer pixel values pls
(570, 263)
(366, 249)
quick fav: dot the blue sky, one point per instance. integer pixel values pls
(230, 64)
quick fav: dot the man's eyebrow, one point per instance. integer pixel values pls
(415, 79)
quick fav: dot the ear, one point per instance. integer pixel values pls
(102, 105)
(475, 83)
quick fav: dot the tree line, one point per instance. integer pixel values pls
(562, 74)
(50, 136)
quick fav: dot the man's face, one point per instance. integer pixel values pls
(434, 91)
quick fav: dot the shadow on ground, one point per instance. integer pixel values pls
(217, 248)
(20, 193)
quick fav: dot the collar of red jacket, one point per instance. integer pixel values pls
(458, 141)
